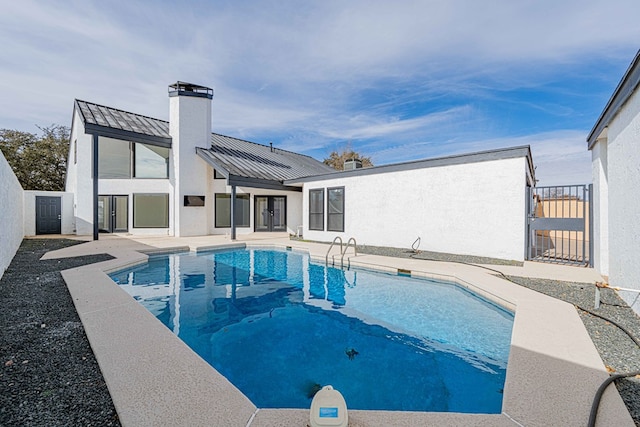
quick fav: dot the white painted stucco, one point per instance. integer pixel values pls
(11, 220)
(623, 160)
(79, 179)
(189, 127)
(600, 203)
(473, 208)
(67, 225)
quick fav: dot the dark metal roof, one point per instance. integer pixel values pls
(241, 161)
(481, 156)
(240, 158)
(111, 118)
(623, 92)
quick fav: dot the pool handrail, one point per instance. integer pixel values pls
(355, 251)
(326, 257)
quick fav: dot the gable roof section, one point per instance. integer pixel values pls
(623, 92)
(458, 159)
(116, 123)
(248, 163)
(242, 162)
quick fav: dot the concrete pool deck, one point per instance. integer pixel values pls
(155, 379)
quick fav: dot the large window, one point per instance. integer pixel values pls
(316, 209)
(335, 209)
(150, 161)
(151, 210)
(223, 210)
(118, 159)
(114, 158)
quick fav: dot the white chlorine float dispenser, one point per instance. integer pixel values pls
(328, 408)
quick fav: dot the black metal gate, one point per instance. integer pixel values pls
(559, 224)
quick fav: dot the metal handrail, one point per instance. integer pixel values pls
(326, 257)
(355, 251)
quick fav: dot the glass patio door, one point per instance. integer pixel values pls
(113, 212)
(271, 213)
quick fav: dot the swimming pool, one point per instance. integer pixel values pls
(278, 326)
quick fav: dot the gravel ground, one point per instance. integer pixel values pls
(49, 375)
(51, 378)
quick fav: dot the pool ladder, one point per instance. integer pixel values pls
(342, 251)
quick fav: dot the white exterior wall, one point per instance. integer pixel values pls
(11, 220)
(600, 203)
(67, 222)
(189, 127)
(294, 206)
(128, 187)
(79, 177)
(624, 204)
(473, 209)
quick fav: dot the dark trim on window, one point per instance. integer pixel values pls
(330, 214)
(218, 175)
(228, 195)
(194, 201)
(132, 148)
(166, 195)
(312, 213)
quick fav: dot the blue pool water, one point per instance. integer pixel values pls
(279, 326)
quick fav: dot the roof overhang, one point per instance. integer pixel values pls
(127, 135)
(243, 181)
(623, 92)
(482, 156)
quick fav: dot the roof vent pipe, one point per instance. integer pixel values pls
(271, 146)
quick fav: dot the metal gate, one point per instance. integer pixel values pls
(559, 224)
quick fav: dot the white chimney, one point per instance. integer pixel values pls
(189, 127)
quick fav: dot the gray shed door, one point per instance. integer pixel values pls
(48, 215)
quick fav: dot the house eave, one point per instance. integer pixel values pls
(458, 159)
(621, 94)
(108, 132)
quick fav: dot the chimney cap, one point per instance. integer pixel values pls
(189, 89)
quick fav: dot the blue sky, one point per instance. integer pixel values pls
(399, 81)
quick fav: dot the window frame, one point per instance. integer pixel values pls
(134, 166)
(134, 208)
(321, 213)
(329, 213)
(228, 195)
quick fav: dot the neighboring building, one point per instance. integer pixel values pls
(615, 154)
(138, 175)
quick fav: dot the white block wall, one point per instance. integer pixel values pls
(623, 153)
(66, 203)
(473, 209)
(11, 220)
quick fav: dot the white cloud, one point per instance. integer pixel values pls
(402, 80)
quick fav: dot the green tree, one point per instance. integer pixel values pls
(39, 161)
(336, 159)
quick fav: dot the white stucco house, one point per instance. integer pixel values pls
(613, 142)
(133, 174)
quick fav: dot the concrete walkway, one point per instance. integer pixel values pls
(154, 378)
